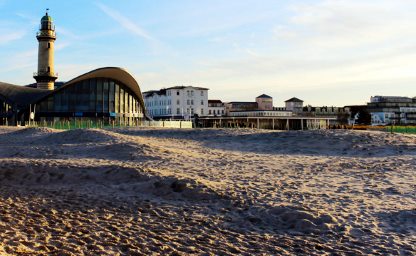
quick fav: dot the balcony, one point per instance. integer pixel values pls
(45, 73)
(46, 33)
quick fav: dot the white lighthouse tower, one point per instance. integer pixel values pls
(46, 76)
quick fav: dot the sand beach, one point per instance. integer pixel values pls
(149, 191)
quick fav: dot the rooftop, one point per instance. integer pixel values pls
(264, 96)
(21, 95)
(163, 90)
(396, 99)
(183, 87)
(46, 17)
(241, 102)
(294, 99)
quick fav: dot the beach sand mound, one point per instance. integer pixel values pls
(78, 136)
(191, 134)
(32, 132)
(122, 181)
(57, 175)
(118, 151)
(219, 192)
(316, 142)
(310, 142)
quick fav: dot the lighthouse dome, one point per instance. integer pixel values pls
(46, 18)
(46, 23)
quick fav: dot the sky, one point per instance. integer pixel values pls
(325, 52)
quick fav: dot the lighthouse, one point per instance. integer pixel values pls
(45, 76)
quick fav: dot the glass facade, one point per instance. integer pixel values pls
(5, 112)
(102, 98)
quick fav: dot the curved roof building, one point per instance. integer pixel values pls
(110, 95)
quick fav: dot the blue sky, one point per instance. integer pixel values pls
(336, 52)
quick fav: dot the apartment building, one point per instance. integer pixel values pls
(386, 110)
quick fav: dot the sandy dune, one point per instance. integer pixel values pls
(208, 192)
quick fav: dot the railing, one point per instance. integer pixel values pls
(98, 124)
(49, 33)
(45, 73)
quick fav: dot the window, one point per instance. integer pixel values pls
(99, 103)
(209, 112)
(192, 102)
(178, 102)
(49, 45)
(202, 102)
(177, 92)
(187, 102)
(178, 111)
(83, 96)
(187, 93)
(202, 111)
(105, 96)
(111, 94)
(126, 102)
(130, 103)
(202, 93)
(50, 103)
(121, 100)
(92, 95)
(64, 101)
(192, 93)
(58, 102)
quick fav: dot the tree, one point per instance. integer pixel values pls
(364, 117)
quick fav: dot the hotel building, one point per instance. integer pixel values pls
(178, 102)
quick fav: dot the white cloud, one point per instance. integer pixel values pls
(10, 36)
(68, 33)
(34, 21)
(125, 22)
(340, 23)
(71, 71)
(21, 60)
